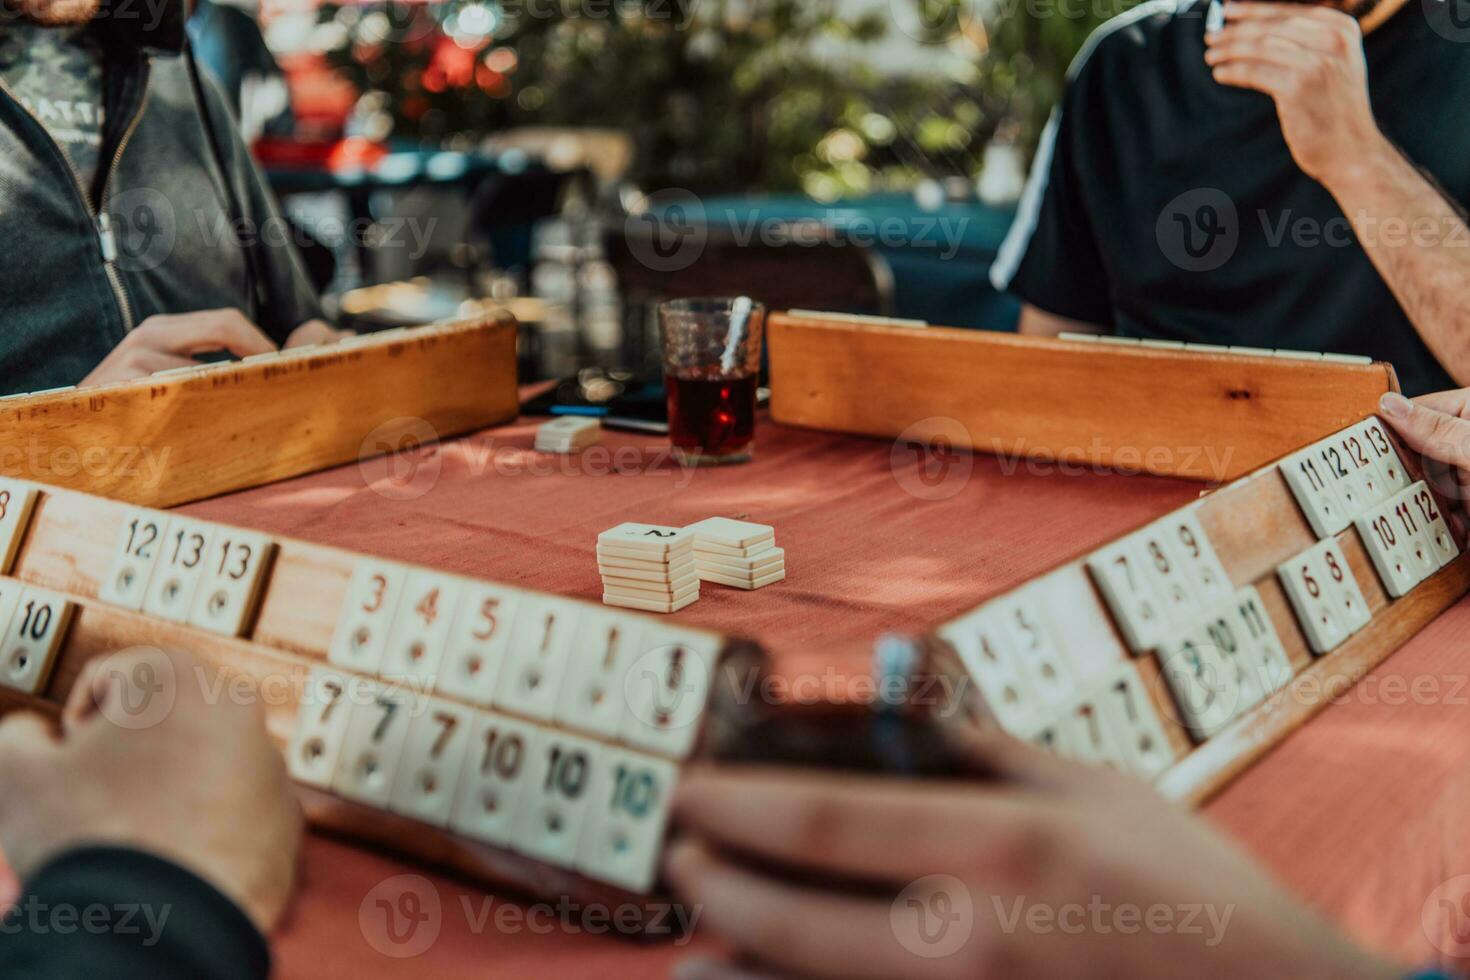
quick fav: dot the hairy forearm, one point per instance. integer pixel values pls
(1419, 243)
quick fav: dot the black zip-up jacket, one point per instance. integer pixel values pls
(76, 276)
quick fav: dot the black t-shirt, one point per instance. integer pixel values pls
(1163, 204)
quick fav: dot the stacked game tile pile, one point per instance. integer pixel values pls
(568, 434)
(647, 567)
(737, 553)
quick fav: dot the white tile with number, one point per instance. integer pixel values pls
(475, 650)
(1304, 578)
(1135, 722)
(37, 628)
(554, 807)
(234, 572)
(180, 566)
(536, 659)
(419, 635)
(139, 545)
(367, 613)
(667, 688)
(433, 757)
(1138, 609)
(1200, 561)
(983, 646)
(497, 770)
(592, 697)
(1164, 563)
(1201, 682)
(321, 727)
(1041, 658)
(1090, 736)
(1271, 668)
(627, 817)
(17, 501)
(1400, 537)
(377, 730)
(1313, 486)
(1385, 457)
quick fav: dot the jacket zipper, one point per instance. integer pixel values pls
(101, 220)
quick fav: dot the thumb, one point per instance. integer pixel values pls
(1428, 431)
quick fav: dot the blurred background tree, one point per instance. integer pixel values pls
(719, 94)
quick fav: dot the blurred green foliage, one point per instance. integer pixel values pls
(718, 94)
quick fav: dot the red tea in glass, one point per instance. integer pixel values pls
(712, 356)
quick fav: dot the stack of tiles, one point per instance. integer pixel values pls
(567, 434)
(647, 567)
(737, 553)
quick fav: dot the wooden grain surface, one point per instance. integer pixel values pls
(1201, 415)
(175, 438)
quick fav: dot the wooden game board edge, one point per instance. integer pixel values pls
(850, 377)
(275, 429)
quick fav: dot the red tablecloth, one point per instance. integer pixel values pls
(1363, 811)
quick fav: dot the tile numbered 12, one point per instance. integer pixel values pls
(138, 547)
(234, 572)
(37, 627)
(180, 566)
(497, 770)
(17, 501)
(476, 649)
(366, 618)
(1441, 539)
(629, 811)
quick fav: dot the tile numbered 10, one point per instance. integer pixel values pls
(139, 545)
(419, 634)
(629, 811)
(1139, 611)
(17, 501)
(180, 566)
(497, 770)
(1406, 537)
(366, 618)
(33, 638)
(982, 644)
(430, 768)
(234, 571)
(556, 801)
(321, 727)
(476, 649)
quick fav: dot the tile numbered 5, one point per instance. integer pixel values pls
(477, 646)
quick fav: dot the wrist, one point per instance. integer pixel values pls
(1372, 158)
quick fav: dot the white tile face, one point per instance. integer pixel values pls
(1410, 513)
(1201, 683)
(180, 567)
(1198, 557)
(475, 652)
(1359, 458)
(1139, 611)
(1441, 540)
(553, 810)
(984, 647)
(1091, 738)
(1342, 587)
(138, 547)
(593, 696)
(1164, 563)
(1223, 634)
(1333, 462)
(234, 572)
(623, 839)
(1312, 485)
(321, 727)
(419, 636)
(1135, 723)
(433, 759)
(1304, 579)
(377, 730)
(1387, 549)
(536, 660)
(667, 688)
(1054, 737)
(367, 613)
(497, 769)
(1041, 659)
(36, 631)
(17, 500)
(1385, 456)
(1272, 668)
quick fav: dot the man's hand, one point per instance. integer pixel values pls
(200, 785)
(1437, 427)
(1309, 59)
(1048, 842)
(168, 341)
(317, 332)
